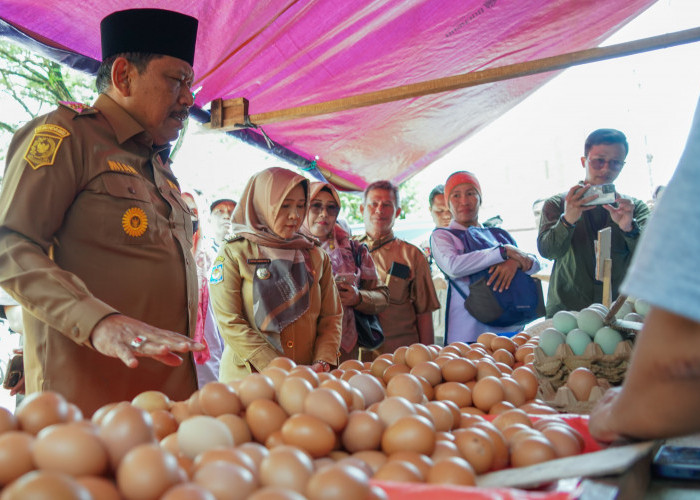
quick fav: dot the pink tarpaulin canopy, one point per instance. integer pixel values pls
(284, 53)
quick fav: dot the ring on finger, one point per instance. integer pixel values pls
(137, 341)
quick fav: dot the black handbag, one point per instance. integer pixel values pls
(369, 331)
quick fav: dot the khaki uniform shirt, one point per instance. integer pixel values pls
(314, 336)
(407, 297)
(91, 224)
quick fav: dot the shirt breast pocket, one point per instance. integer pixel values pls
(398, 289)
(128, 216)
(182, 213)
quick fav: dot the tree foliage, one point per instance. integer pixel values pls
(35, 84)
(32, 85)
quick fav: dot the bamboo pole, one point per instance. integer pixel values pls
(460, 81)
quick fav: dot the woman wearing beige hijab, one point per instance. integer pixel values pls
(271, 287)
(359, 286)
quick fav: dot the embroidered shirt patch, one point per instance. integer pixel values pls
(217, 274)
(44, 146)
(134, 222)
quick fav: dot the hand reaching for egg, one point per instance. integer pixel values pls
(601, 417)
(320, 366)
(114, 335)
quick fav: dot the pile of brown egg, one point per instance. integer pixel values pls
(415, 415)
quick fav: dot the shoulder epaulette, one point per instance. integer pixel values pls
(233, 237)
(79, 108)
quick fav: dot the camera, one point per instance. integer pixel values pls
(605, 192)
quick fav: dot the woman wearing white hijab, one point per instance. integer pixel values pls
(272, 288)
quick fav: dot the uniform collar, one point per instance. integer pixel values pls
(124, 125)
(372, 243)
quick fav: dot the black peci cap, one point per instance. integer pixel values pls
(153, 31)
(219, 202)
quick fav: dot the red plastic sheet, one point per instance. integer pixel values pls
(413, 491)
(420, 491)
(284, 53)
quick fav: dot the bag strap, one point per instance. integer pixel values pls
(459, 233)
(454, 284)
(466, 240)
(356, 248)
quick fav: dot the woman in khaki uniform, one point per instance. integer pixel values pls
(272, 288)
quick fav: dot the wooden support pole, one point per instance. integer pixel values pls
(607, 283)
(465, 80)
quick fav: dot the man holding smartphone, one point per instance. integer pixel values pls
(403, 267)
(570, 223)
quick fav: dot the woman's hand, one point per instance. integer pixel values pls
(18, 388)
(502, 274)
(349, 294)
(320, 366)
(523, 259)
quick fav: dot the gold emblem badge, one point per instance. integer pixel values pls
(262, 273)
(134, 222)
(44, 146)
(217, 274)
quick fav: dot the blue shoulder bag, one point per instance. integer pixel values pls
(521, 303)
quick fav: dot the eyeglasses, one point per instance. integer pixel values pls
(331, 209)
(598, 163)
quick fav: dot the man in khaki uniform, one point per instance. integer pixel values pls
(94, 236)
(403, 267)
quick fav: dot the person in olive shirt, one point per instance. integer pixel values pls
(94, 236)
(568, 227)
(403, 267)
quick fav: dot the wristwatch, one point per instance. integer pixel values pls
(635, 230)
(566, 223)
(504, 252)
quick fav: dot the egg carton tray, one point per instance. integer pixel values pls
(564, 401)
(555, 369)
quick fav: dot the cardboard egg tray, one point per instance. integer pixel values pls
(563, 399)
(555, 369)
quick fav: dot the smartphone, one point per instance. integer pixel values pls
(677, 462)
(605, 192)
(15, 371)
